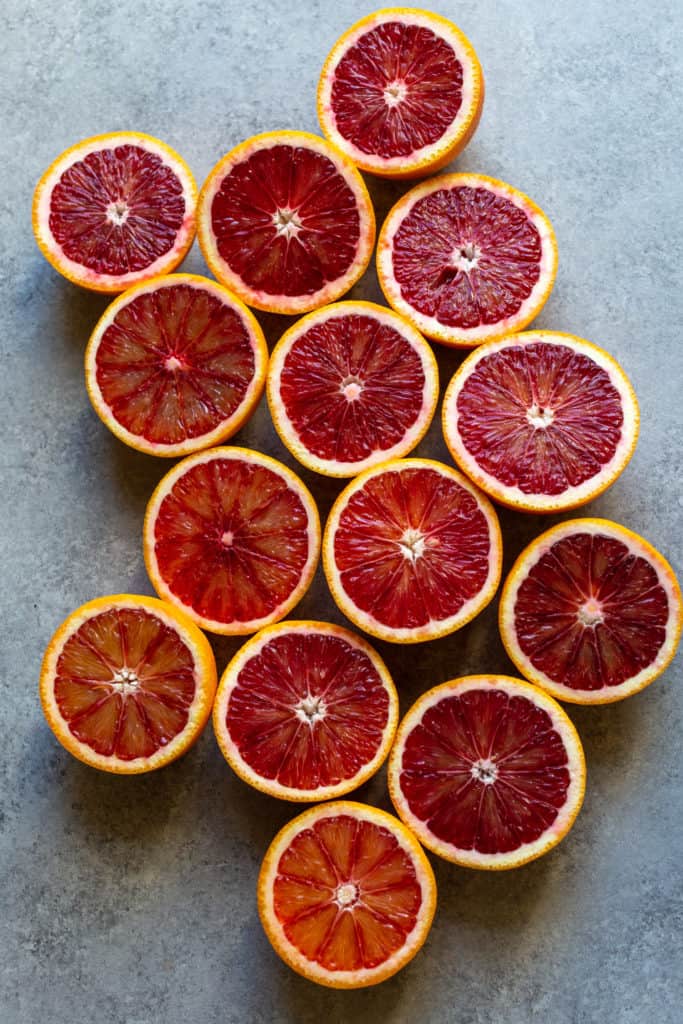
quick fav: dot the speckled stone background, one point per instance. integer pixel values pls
(131, 901)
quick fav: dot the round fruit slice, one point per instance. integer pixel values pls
(412, 551)
(175, 364)
(466, 259)
(286, 222)
(590, 612)
(127, 683)
(541, 421)
(351, 385)
(487, 771)
(232, 537)
(401, 93)
(114, 210)
(346, 895)
(305, 711)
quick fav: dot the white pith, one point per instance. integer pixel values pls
(514, 496)
(287, 430)
(234, 628)
(228, 426)
(259, 298)
(436, 627)
(276, 933)
(431, 326)
(637, 546)
(77, 271)
(576, 766)
(121, 681)
(471, 89)
(228, 682)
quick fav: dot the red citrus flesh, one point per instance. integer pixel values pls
(397, 89)
(590, 613)
(175, 362)
(346, 894)
(124, 683)
(308, 709)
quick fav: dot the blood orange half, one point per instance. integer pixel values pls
(127, 683)
(232, 537)
(466, 259)
(114, 210)
(412, 551)
(591, 612)
(305, 711)
(286, 222)
(351, 385)
(541, 421)
(401, 93)
(346, 895)
(175, 364)
(488, 772)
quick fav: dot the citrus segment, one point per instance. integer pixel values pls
(127, 683)
(401, 92)
(541, 421)
(232, 537)
(305, 711)
(591, 612)
(346, 895)
(488, 772)
(285, 221)
(466, 259)
(114, 210)
(351, 385)
(411, 551)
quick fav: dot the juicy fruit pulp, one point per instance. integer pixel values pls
(117, 210)
(177, 362)
(346, 894)
(591, 613)
(396, 89)
(355, 389)
(124, 683)
(231, 539)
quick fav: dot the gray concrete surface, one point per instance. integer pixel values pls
(131, 901)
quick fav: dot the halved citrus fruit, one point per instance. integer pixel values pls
(175, 364)
(346, 895)
(286, 222)
(351, 385)
(114, 210)
(412, 551)
(305, 711)
(127, 683)
(401, 93)
(466, 259)
(541, 421)
(231, 537)
(591, 612)
(487, 771)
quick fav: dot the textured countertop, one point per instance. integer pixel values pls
(131, 901)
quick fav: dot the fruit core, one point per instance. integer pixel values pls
(125, 681)
(539, 416)
(346, 894)
(466, 256)
(310, 709)
(412, 545)
(395, 93)
(351, 388)
(118, 212)
(287, 223)
(484, 770)
(590, 613)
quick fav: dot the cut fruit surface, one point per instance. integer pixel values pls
(590, 612)
(175, 364)
(412, 551)
(466, 259)
(114, 210)
(286, 222)
(305, 711)
(401, 93)
(232, 537)
(346, 895)
(541, 421)
(488, 772)
(351, 385)
(127, 683)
